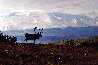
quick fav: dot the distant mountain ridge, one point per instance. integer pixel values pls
(68, 31)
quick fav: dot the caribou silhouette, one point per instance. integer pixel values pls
(33, 36)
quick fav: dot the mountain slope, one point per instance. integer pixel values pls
(72, 20)
(22, 21)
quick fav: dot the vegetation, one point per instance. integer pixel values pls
(7, 38)
(70, 52)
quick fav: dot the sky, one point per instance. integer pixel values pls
(25, 14)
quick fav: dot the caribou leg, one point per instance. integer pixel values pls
(26, 40)
(34, 41)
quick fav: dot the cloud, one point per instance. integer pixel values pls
(48, 5)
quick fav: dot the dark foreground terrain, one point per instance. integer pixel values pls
(77, 52)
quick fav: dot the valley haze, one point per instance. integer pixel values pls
(57, 34)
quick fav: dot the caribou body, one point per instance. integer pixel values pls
(33, 36)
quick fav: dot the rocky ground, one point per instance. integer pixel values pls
(76, 52)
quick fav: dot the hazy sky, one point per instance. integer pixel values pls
(14, 13)
(67, 6)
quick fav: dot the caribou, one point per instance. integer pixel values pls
(34, 36)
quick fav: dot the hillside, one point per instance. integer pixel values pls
(49, 54)
(79, 42)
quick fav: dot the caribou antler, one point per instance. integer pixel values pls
(42, 30)
(34, 29)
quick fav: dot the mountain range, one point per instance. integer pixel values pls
(68, 31)
(20, 21)
(65, 20)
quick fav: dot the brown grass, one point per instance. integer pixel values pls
(47, 54)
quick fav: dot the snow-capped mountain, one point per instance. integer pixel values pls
(21, 21)
(65, 20)
(28, 20)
